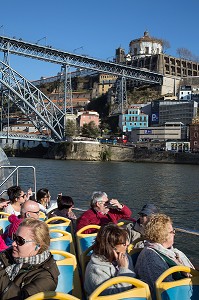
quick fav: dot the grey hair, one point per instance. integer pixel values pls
(97, 196)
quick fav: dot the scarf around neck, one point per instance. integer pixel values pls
(14, 269)
(173, 253)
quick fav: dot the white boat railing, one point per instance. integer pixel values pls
(14, 176)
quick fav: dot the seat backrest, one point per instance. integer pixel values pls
(183, 289)
(62, 240)
(59, 223)
(42, 216)
(52, 295)
(139, 290)
(68, 281)
(4, 220)
(85, 240)
(134, 253)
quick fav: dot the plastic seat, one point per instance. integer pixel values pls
(52, 295)
(61, 240)
(183, 289)
(134, 253)
(85, 240)
(4, 220)
(68, 280)
(42, 216)
(139, 291)
(66, 224)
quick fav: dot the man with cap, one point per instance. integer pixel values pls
(136, 229)
(102, 211)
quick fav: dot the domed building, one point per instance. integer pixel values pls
(145, 46)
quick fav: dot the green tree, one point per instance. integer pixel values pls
(70, 128)
(90, 130)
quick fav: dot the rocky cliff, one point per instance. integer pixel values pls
(103, 152)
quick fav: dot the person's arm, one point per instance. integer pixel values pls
(43, 281)
(96, 276)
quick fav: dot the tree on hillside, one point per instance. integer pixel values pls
(90, 130)
(165, 45)
(70, 128)
(184, 53)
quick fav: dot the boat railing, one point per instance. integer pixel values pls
(13, 175)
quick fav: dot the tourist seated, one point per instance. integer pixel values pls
(136, 229)
(109, 259)
(158, 255)
(16, 197)
(64, 208)
(103, 211)
(28, 267)
(29, 209)
(43, 198)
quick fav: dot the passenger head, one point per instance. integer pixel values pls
(98, 201)
(64, 202)
(43, 197)
(110, 238)
(31, 238)
(30, 209)
(146, 211)
(159, 229)
(16, 194)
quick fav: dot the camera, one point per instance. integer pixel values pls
(109, 205)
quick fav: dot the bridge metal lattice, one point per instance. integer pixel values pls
(49, 54)
(40, 110)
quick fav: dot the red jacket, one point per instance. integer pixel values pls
(92, 217)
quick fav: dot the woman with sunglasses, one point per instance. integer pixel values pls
(28, 267)
(158, 254)
(109, 259)
(16, 197)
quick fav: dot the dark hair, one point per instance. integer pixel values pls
(107, 238)
(14, 192)
(42, 193)
(64, 202)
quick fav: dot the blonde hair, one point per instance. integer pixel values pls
(40, 232)
(156, 228)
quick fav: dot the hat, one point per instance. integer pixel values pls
(148, 209)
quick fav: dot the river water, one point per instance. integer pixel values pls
(173, 188)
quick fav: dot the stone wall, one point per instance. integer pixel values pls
(103, 152)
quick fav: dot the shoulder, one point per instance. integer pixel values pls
(51, 266)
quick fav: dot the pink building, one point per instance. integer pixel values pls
(86, 117)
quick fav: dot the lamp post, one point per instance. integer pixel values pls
(78, 49)
(43, 38)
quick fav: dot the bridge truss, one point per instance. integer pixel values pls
(41, 110)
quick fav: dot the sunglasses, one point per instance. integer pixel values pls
(19, 240)
(24, 195)
(34, 212)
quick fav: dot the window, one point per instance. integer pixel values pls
(146, 50)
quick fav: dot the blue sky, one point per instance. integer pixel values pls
(96, 28)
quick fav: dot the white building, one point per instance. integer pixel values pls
(145, 46)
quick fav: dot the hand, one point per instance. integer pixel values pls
(116, 203)
(122, 259)
(4, 203)
(29, 193)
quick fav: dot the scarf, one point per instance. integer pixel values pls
(14, 269)
(173, 253)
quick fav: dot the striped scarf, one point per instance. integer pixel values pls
(14, 269)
